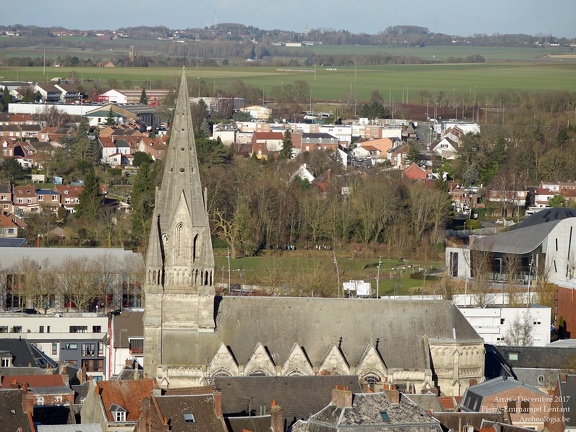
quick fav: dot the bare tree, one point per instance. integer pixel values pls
(520, 331)
(511, 267)
(76, 289)
(480, 262)
(274, 275)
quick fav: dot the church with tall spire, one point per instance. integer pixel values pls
(192, 335)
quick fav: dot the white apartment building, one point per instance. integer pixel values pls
(493, 323)
(73, 338)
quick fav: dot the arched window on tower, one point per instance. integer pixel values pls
(179, 241)
(195, 248)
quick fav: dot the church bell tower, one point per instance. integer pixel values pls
(179, 285)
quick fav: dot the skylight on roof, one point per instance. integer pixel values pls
(189, 417)
(384, 415)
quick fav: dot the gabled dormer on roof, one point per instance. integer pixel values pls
(297, 363)
(334, 363)
(260, 363)
(118, 413)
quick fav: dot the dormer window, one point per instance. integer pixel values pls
(118, 413)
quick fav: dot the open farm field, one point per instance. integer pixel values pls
(397, 82)
(440, 53)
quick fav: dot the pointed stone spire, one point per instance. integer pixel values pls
(179, 284)
(180, 234)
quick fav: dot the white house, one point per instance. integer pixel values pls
(113, 96)
(465, 127)
(257, 112)
(226, 133)
(361, 152)
(342, 132)
(446, 148)
(303, 173)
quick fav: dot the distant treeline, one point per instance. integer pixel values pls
(221, 55)
(400, 35)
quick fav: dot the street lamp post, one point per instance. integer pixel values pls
(241, 273)
(337, 275)
(423, 282)
(529, 279)
(228, 255)
(378, 278)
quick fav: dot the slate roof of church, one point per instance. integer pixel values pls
(298, 396)
(317, 324)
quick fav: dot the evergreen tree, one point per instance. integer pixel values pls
(205, 129)
(142, 198)
(81, 147)
(143, 97)
(90, 199)
(170, 98)
(110, 120)
(28, 95)
(11, 170)
(286, 152)
(5, 99)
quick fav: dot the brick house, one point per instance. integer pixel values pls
(6, 205)
(49, 200)
(69, 196)
(40, 390)
(25, 199)
(11, 226)
(563, 407)
(264, 143)
(155, 147)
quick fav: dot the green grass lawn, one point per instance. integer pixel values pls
(394, 275)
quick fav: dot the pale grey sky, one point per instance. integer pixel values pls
(555, 17)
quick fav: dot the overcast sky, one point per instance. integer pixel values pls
(463, 18)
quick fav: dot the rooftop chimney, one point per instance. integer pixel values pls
(342, 397)
(393, 396)
(218, 403)
(276, 418)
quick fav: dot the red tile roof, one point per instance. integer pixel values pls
(33, 380)
(128, 394)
